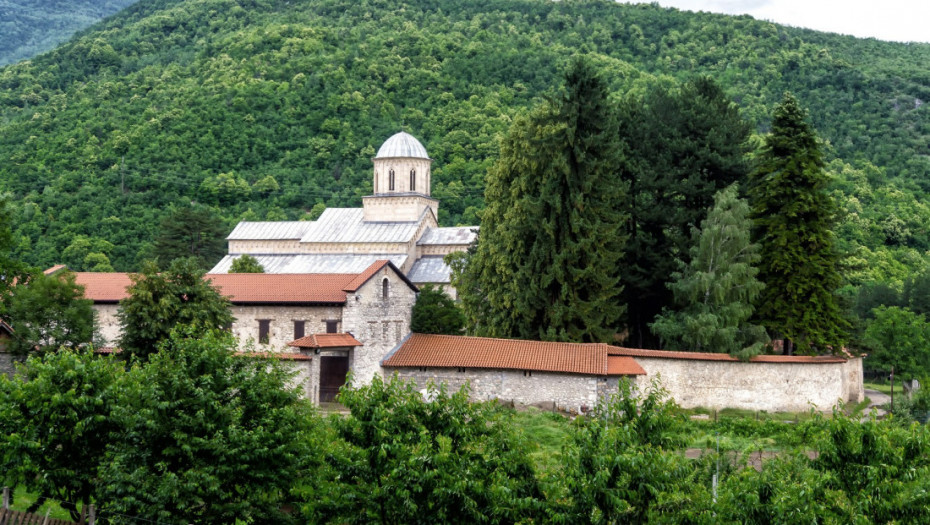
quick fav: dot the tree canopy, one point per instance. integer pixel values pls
(159, 302)
(246, 264)
(552, 236)
(436, 313)
(794, 217)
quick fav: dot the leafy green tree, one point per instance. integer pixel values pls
(205, 436)
(97, 262)
(436, 313)
(553, 231)
(11, 270)
(55, 424)
(716, 290)
(400, 458)
(898, 338)
(191, 231)
(160, 301)
(49, 312)
(622, 464)
(794, 217)
(246, 264)
(266, 185)
(685, 144)
(916, 295)
(75, 255)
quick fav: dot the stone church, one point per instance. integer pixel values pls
(397, 223)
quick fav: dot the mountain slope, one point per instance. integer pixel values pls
(30, 27)
(172, 101)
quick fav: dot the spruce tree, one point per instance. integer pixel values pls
(716, 290)
(793, 218)
(552, 235)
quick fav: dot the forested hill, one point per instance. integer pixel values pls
(264, 108)
(30, 27)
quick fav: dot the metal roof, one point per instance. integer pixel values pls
(402, 145)
(459, 235)
(314, 262)
(346, 225)
(268, 231)
(430, 269)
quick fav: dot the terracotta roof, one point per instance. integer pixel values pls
(370, 272)
(282, 288)
(240, 288)
(103, 287)
(623, 366)
(705, 356)
(4, 327)
(452, 351)
(325, 341)
(55, 269)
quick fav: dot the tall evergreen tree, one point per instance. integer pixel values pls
(716, 290)
(686, 145)
(191, 231)
(553, 231)
(793, 217)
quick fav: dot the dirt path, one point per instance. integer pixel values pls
(877, 400)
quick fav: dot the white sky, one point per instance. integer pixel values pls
(894, 20)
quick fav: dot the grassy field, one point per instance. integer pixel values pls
(22, 499)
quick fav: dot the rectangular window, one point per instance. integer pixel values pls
(264, 326)
(299, 329)
(332, 327)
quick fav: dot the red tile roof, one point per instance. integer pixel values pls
(240, 288)
(451, 351)
(704, 356)
(623, 366)
(55, 269)
(325, 341)
(248, 288)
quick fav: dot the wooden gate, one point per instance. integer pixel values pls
(333, 370)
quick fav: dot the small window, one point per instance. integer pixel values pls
(413, 180)
(264, 326)
(391, 180)
(385, 289)
(332, 327)
(299, 329)
(527, 373)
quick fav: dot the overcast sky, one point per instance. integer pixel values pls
(895, 20)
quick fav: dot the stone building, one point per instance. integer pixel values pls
(367, 313)
(397, 223)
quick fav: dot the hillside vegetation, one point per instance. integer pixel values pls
(262, 109)
(30, 27)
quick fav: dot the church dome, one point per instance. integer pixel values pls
(402, 145)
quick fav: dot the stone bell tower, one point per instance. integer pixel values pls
(401, 182)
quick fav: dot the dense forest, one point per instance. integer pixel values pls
(30, 27)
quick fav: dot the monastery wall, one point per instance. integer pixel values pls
(353, 247)
(108, 323)
(402, 167)
(773, 387)
(397, 208)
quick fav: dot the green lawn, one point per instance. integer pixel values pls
(22, 499)
(884, 388)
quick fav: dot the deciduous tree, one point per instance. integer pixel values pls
(436, 313)
(160, 301)
(716, 290)
(246, 264)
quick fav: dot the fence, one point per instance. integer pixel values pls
(9, 516)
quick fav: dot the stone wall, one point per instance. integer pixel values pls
(396, 208)
(108, 323)
(8, 363)
(401, 167)
(773, 387)
(281, 329)
(279, 246)
(378, 323)
(569, 392)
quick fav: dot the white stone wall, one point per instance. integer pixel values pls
(401, 167)
(281, 330)
(773, 387)
(107, 323)
(397, 208)
(377, 323)
(286, 246)
(569, 392)
(440, 249)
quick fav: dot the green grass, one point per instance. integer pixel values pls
(22, 499)
(549, 431)
(884, 388)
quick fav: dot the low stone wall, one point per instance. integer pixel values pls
(769, 386)
(8, 363)
(569, 392)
